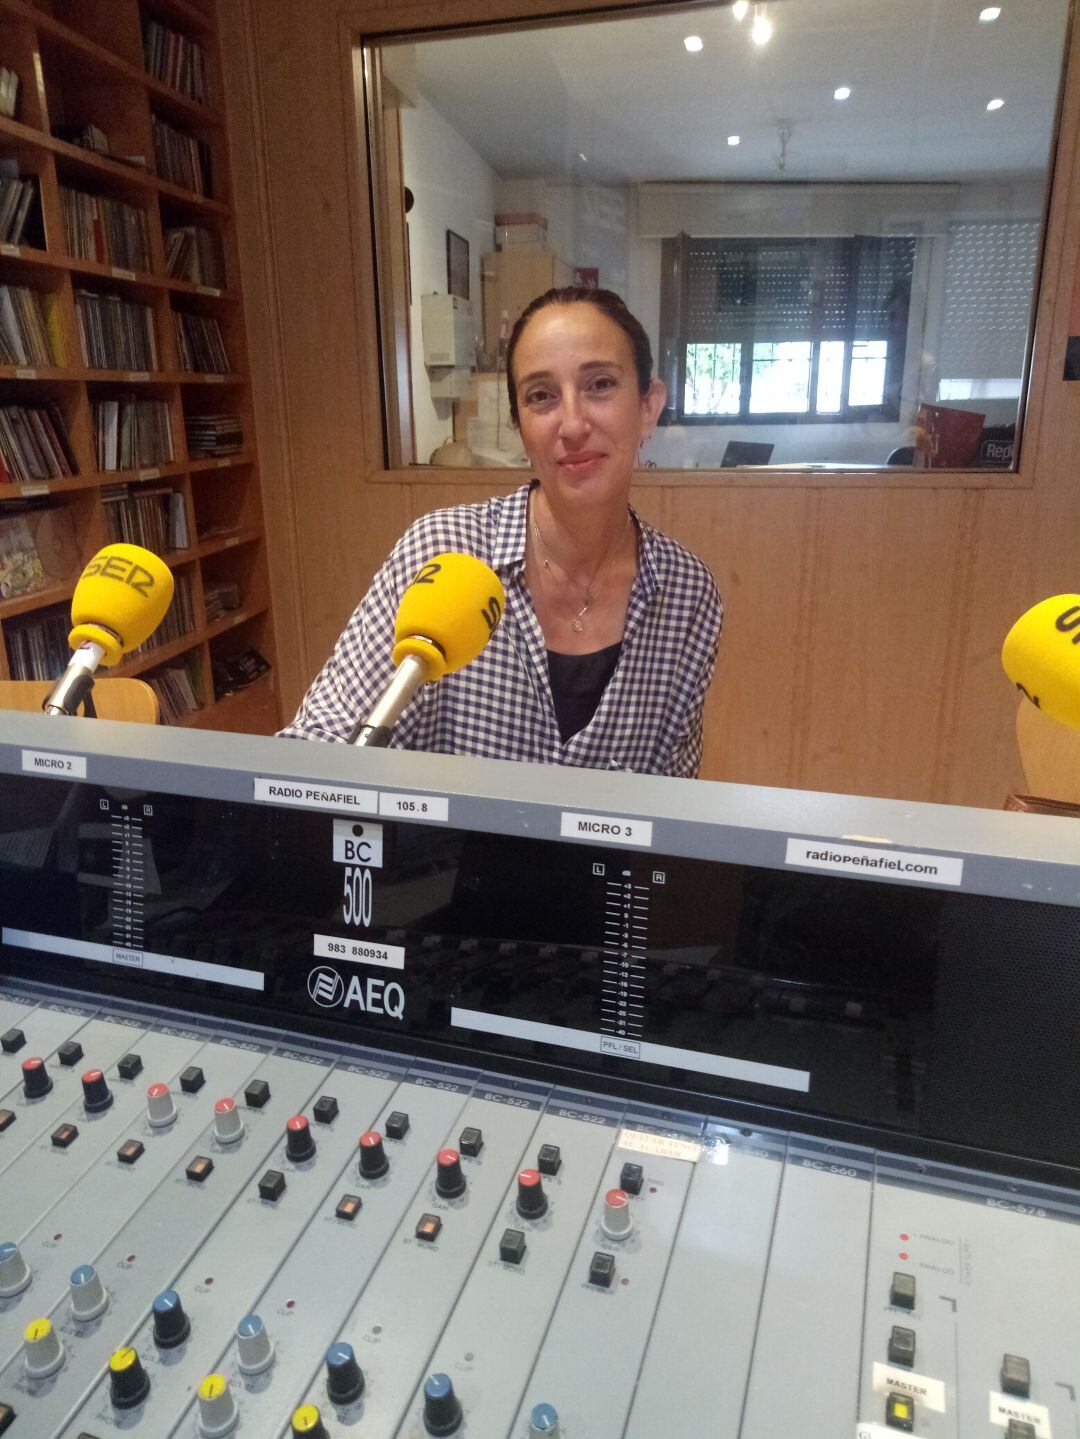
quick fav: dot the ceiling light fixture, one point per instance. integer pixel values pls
(733, 139)
(694, 43)
(740, 9)
(990, 14)
(582, 156)
(842, 92)
(762, 29)
(995, 104)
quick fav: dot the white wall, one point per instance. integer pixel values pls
(454, 189)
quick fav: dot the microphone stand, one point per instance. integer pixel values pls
(376, 730)
(73, 687)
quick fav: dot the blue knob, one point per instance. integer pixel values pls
(442, 1412)
(171, 1324)
(344, 1380)
(543, 1421)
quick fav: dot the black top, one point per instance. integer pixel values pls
(577, 683)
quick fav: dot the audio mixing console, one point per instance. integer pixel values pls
(401, 1096)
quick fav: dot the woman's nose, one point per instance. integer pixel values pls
(573, 420)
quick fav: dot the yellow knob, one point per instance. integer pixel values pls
(306, 1420)
(37, 1329)
(123, 1359)
(213, 1386)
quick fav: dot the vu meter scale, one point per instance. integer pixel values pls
(128, 876)
(622, 994)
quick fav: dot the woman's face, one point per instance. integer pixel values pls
(581, 414)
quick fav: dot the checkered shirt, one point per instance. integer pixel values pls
(500, 705)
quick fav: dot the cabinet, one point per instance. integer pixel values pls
(139, 238)
(513, 276)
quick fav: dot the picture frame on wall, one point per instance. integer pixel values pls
(457, 265)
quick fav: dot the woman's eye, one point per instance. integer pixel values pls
(603, 383)
(537, 397)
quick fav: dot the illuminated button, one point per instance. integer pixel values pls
(901, 1346)
(900, 1413)
(256, 1094)
(1016, 1376)
(602, 1269)
(397, 1124)
(7, 1417)
(129, 1066)
(549, 1160)
(192, 1079)
(200, 1168)
(70, 1052)
(344, 1377)
(325, 1109)
(428, 1227)
(616, 1220)
(7, 1118)
(272, 1185)
(97, 1096)
(43, 1352)
(35, 1078)
(449, 1179)
(129, 1383)
(531, 1199)
(171, 1324)
(64, 1135)
(1018, 1429)
(373, 1160)
(308, 1421)
(442, 1411)
(512, 1246)
(631, 1178)
(14, 1271)
(470, 1142)
(349, 1206)
(217, 1407)
(160, 1106)
(87, 1293)
(228, 1125)
(299, 1140)
(254, 1347)
(129, 1151)
(12, 1040)
(543, 1422)
(902, 1291)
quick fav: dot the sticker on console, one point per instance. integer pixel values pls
(316, 796)
(357, 842)
(1004, 1407)
(359, 951)
(603, 829)
(890, 1380)
(864, 862)
(663, 1145)
(65, 765)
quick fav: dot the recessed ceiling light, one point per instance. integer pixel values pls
(582, 156)
(762, 29)
(740, 9)
(995, 104)
(694, 43)
(842, 92)
(990, 14)
(733, 139)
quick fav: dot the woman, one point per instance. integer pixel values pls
(609, 637)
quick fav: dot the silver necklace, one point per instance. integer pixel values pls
(577, 624)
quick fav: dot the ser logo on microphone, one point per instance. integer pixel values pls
(491, 612)
(1069, 620)
(119, 567)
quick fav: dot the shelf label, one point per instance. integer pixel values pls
(39, 487)
(119, 274)
(603, 829)
(12, 251)
(1004, 1407)
(224, 464)
(39, 74)
(233, 540)
(65, 766)
(137, 375)
(316, 796)
(435, 808)
(151, 474)
(890, 1380)
(24, 374)
(359, 951)
(209, 290)
(214, 379)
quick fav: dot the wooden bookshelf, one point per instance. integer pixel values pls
(81, 62)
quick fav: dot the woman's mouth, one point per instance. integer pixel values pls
(579, 464)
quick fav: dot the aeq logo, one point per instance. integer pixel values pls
(326, 986)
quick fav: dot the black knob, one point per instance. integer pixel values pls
(373, 1160)
(531, 1199)
(96, 1093)
(449, 1180)
(171, 1324)
(442, 1412)
(35, 1078)
(129, 1383)
(299, 1140)
(344, 1379)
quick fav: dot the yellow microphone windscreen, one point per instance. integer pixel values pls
(120, 600)
(1041, 655)
(448, 613)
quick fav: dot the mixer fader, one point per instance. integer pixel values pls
(323, 1126)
